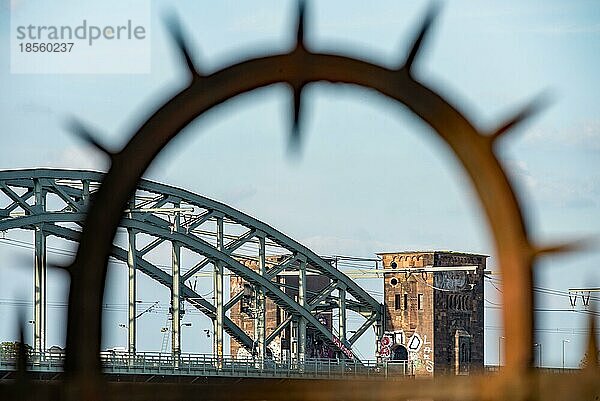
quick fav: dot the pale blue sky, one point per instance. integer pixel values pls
(370, 177)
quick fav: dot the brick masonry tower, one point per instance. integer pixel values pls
(434, 311)
(285, 346)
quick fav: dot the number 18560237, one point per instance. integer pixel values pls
(35, 47)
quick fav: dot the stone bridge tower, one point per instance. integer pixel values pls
(434, 311)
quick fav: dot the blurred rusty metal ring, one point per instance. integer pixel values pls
(474, 149)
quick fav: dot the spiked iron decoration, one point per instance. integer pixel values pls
(79, 129)
(475, 150)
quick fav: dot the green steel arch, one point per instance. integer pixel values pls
(174, 215)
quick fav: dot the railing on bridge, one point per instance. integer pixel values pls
(156, 363)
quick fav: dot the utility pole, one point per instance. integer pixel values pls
(539, 345)
(584, 294)
(499, 350)
(564, 341)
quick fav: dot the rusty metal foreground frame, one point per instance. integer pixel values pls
(515, 250)
(571, 387)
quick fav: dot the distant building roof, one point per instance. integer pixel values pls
(434, 252)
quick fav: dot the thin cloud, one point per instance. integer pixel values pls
(80, 157)
(582, 136)
(557, 192)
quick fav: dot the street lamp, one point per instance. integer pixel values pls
(564, 341)
(540, 354)
(122, 326)
(499, 352)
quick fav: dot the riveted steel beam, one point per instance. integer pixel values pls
(342, 312)
(261, 309)
(131, 270)
(176, 301)
(39, 320)
(302, 302)
(218, 293)
(153, 225)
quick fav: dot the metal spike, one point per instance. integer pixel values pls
(22, 378)
(295, 134)
(300, 28)
(532, 108)
(417, 43)
(572, 246)
(82, 131)
(176, 31)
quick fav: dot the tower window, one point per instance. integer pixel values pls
(405, 301)
(397, 301)
(420, 301)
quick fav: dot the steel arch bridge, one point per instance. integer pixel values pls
(53, 202)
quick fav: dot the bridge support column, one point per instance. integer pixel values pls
(342, 315)
(39, 325)
(259, 321)
(301, 320)
(85, 192)
(131, 265)
(218, 291)
(175, 295)
(379, 329)
(293, 330)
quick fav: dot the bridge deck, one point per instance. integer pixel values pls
(199, 365)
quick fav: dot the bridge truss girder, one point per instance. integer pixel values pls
(179, 217)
